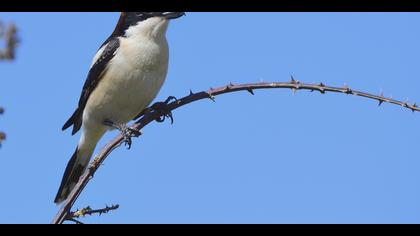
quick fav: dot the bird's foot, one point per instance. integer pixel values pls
(162, 109)
(126, 132)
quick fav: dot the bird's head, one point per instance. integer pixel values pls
(149, 23)
(134, 17)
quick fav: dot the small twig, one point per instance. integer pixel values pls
(147, 118)
(89, 211)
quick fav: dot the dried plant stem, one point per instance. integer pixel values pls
(147, 118)
(72, 216)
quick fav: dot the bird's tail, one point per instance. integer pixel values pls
(75, 169)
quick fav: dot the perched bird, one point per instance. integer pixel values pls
(126, 74)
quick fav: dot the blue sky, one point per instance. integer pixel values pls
(270, 158)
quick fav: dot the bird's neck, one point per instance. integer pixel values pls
(153, 29)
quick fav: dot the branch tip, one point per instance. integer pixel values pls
(72, 216)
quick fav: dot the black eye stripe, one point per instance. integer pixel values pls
(128, 19)
(134, 17)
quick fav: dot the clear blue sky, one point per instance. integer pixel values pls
(269, 158)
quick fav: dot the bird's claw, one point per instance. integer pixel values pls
(126, 132)
(169, 99)
(162, 109)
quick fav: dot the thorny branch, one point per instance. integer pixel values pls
(147, 118)
(72, 216)
(10, 38)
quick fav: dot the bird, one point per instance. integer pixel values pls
(125, 76)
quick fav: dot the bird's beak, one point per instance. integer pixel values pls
(172, 15)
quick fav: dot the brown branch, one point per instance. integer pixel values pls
(72, 216)
(147, 118)
(11, 41)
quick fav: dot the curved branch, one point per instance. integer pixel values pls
(147, 118)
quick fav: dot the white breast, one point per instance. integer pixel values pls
(133, 79)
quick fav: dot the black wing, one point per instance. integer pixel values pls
(95, 74)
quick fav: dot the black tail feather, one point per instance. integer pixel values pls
(71, 176)
(74, 120)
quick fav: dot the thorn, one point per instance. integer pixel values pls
(294, 91)
(413, 107)
(250, 91)
(348, 90)
(212, 97)
(321, 89)
(191, 92)
(292, 80)
(227, 87)
(230, 83)
(380, 103)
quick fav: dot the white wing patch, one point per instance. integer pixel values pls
(98, 54)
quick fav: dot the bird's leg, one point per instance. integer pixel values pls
(126, 132)
(143, 112)
(162, 109)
